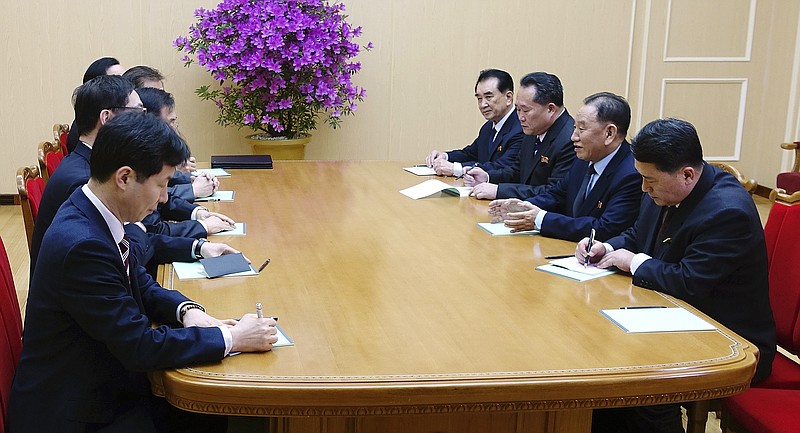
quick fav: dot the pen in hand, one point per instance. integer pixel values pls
(589, 249)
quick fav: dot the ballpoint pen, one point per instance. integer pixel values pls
(641, 307)
(560, 256)
(263, 265)
(588, 249)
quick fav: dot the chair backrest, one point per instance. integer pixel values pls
(796, 147)
(60, 136)
(50, 155)
(782, 232)
(30, 186)
(10, 334)
(749, 184)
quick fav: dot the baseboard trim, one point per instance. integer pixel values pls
(9, 199)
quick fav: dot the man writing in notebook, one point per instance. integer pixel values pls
(699, 238)
(601, 191)
(546, 153)
(499, 138)
(89, 336)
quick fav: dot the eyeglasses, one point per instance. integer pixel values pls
(141, 109)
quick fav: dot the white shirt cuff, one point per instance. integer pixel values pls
(539, 219)
(637, 261)
(194, 212)
(458, 170)
(226, 335)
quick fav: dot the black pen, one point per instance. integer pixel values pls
(589, 249)
(636, 307)
(563, 256)
(263, 265)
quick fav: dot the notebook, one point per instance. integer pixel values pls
(241, 161)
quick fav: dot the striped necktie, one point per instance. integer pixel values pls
(124, 249)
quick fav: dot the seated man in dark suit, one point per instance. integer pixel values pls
(698, 238)
(162, 104)
(546, 153)
(97, 102)
(602, 189)
(89, 336)
(499, 138)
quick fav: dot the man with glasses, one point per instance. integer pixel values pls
(97, 102)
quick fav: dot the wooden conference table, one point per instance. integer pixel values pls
(407, 317)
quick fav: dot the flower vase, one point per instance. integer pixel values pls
(279, 147)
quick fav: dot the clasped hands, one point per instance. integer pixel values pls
(215, 222)
(250, 334)
(517, 214)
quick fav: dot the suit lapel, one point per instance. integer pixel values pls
(604, 182)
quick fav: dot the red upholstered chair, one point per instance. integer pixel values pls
(789, 182)
(761, 410)
(773, 405)
(30, 186)
(10, 334)
(50, 155)
(60, 136)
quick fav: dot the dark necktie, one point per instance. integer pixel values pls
(536, 144)
(662, 230)
(583, 192)
(124, 247)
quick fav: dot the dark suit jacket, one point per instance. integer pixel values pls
(74, 172)
(715, 259)
(611, 206)
(534, 175)
(88, 337)
(181, 186)
(492, 156)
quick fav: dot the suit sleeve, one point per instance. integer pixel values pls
(717, 246)
(182, 190)
(188, 228)
(469, 154)
(98, 300)
(508, 159)
(621, 206)
(562, 160)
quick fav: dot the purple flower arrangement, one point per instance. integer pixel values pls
(280, 64)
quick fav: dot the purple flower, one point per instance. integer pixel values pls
(276, 61)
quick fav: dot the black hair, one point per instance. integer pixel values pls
(155, 99)
(99, 67)
(504, 81)
(548, 88)
(96, 95)
(611, 108)
(141, 142)
(670, 144)
(139, 74)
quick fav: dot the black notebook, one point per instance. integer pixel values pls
(241, 161)
(225, 264)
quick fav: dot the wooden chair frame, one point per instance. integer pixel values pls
(58, 129)
(46, 148)
(793, 146)
(24, 174)
(749, 184)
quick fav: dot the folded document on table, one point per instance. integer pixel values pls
(433, 186)
(570, 267)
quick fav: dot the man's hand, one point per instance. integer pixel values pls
(619, 258)
(484, 191)
(499, 209)
(215, 224)
(198, 317)
(252, 334)
(443, 167)
(213, 249)
(204, 214)
(475, 176)
(597, 252)
(204, 185)
(188, 166)
(433, 156)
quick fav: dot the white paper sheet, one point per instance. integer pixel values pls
(499, 229)
(217, 196)
(240, 230)
(433, 186)
(421, 171)
(655, 319)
